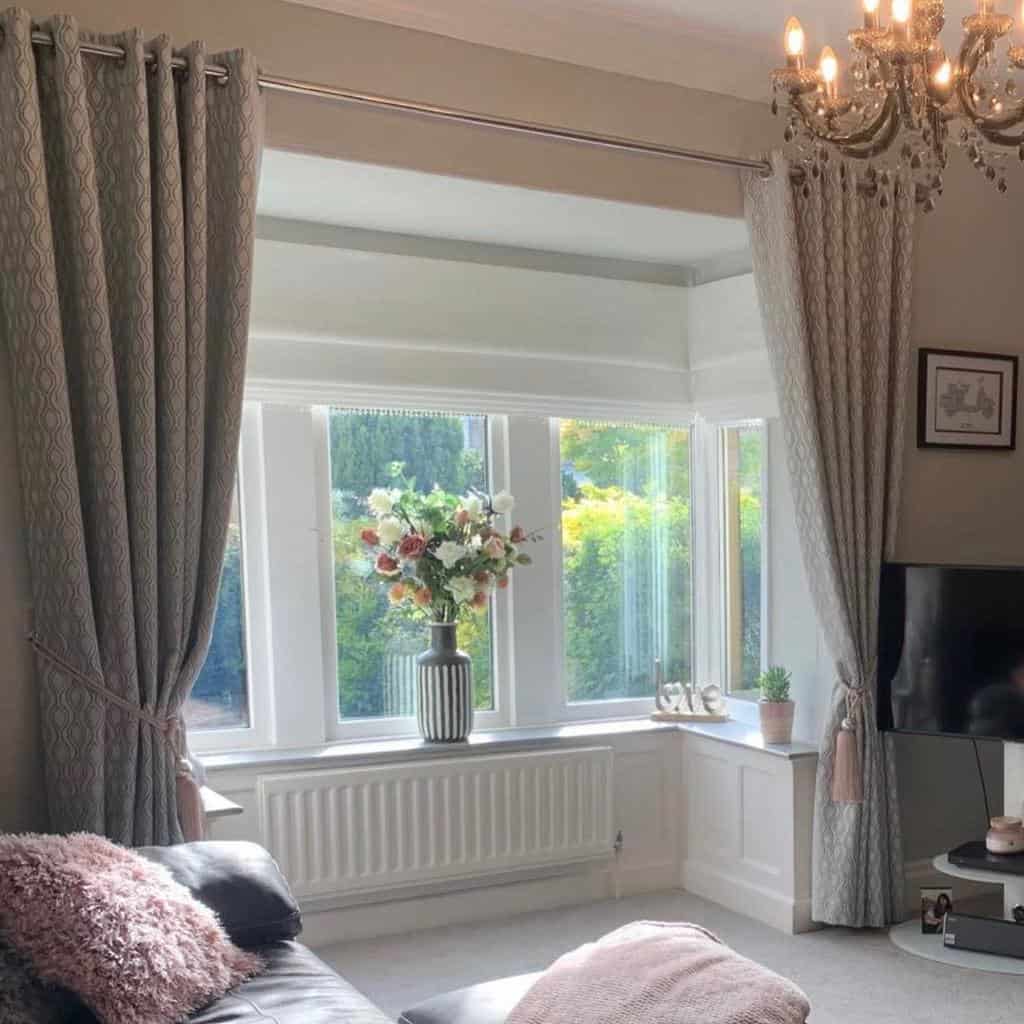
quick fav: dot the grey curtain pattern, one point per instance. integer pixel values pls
(833, 273)
(127, 210)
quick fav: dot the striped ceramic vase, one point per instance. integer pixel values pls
(444, 707)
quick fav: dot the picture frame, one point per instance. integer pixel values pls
(936, 903)
(967, 400)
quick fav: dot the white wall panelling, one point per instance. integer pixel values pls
(748, 831)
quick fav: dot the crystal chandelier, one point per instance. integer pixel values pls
(905, 98)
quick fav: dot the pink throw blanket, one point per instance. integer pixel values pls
(658, 973)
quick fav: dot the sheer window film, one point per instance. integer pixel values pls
(220, 697)
(376, 644)
(626, 557)
(742, 555)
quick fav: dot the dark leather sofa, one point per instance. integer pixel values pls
(487, 1003)
(241, 882)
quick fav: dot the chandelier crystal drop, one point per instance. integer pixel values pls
(904, 98)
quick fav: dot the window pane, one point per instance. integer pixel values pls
(220, 698)
(626, 557)
(378, 644)
(743, 454)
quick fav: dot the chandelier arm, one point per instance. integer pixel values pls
(855, 138)
(877, 145)
(992, 127)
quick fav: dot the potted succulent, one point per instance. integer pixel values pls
(442, 556)
(775, 706)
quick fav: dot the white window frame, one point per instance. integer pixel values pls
(501, 617)
(723, 623)
(255, 597)
(615, 707)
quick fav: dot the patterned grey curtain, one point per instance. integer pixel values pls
(127, 209)
(833, 273)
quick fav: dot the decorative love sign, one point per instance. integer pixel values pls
(680, 702)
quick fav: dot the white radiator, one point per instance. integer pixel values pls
(358, 830)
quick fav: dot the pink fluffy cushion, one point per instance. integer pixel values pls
(114, 928)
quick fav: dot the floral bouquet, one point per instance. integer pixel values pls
(442, 553)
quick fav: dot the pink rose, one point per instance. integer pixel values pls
(479, 601)
(462, 517)
(518, 535)
(370, 537)
(423, 597)
(502, 582)
(412, 547)
(386, 565)
(494, 548)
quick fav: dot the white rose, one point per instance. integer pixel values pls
(381, 501)
(462, 588)
(389, 530)
(473, 505)
(448, 553)
(503, 503)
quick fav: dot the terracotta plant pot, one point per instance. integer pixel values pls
(777, 720)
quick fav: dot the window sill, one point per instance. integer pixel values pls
(412, 748)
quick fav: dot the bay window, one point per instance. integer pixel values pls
(653, 548)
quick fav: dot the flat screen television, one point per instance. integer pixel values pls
(951, 651)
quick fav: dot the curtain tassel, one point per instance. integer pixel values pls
(190, 802)
(847, 770)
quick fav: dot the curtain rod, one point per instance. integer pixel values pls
(298, 87)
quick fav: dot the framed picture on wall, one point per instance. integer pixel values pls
(966, 400)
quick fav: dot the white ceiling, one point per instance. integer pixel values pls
(299, 187)
(725, 46)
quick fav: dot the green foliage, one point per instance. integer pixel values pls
(626, 557)
(220, 695)
(774, 684)
(366, 445)
(377, 644)
(750, 461)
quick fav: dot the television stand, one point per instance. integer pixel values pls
(908, 937)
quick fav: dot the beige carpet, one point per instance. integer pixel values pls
(850, 977)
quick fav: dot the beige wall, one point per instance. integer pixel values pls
(961, 507)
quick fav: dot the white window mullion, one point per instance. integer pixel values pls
(293, 532)
(707, 564)
(536, 602)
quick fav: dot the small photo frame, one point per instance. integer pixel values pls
(966, 400)
(935, 905)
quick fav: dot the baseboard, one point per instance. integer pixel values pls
(330, 927)
(771, 908)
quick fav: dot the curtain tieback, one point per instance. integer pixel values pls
(847, 769)
(167, 727)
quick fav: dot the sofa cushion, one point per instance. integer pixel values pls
(487, 1003)
(114, 928)
(240, 882)
(295, 988)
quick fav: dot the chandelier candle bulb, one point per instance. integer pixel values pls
(828, 66)
(900, 18)
(794, 38)
(871, 15)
